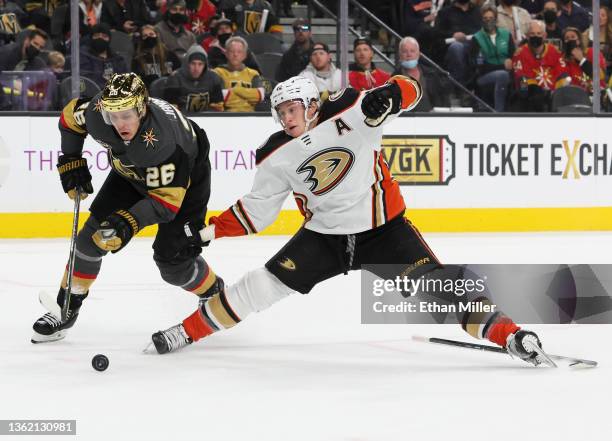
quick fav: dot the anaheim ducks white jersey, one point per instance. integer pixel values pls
(336, 173)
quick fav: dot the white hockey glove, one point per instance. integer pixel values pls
(527, 346)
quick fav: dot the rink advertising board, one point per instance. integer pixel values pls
(457, 174)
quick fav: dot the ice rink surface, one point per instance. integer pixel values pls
(304, 370)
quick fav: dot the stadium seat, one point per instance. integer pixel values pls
(571, 99)
(122, 44)
(87, 89)
(157, 87)
(264, 42)
(268, 62)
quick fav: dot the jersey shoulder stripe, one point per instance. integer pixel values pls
(274, 142)
(338, 102)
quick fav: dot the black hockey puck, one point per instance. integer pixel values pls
(99, 362)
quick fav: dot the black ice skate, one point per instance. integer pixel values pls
(171, 339)
(50, 327)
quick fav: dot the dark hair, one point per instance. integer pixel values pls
(488, 8)
(34, 32)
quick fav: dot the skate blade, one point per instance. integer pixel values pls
(39, 338)
(147, 349)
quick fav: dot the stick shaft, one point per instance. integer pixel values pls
(75, 226)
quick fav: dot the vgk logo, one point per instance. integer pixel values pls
(420, 159)
(198, 102)
(252, 20)
(326, 169)
(9, 24)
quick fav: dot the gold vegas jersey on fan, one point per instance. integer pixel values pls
(242, 89)
(336, 172)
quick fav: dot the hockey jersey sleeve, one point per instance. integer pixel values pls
(72, 126)
(258, 209)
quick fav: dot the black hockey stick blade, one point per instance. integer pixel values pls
(571, 361)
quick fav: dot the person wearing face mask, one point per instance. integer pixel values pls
(98, 62)
(514, 19)
(171, 29)
(200, 14)
(458, 22)
(537, 70)
(578, 62)
(549, 15)
(152, 59)
(573, 15)
(436, 89)
(491, 51)
(216, 52)
(24, 55)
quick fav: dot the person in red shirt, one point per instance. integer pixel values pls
(537, 69)
(578, 63)
(199, 14)
(363, 74)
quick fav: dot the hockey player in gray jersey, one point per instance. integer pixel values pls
(160, 175)
(329, 156)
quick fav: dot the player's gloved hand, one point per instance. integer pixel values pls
(379, 102)
(522, 344)
(116, 231)
(198, 236)
(74, 173)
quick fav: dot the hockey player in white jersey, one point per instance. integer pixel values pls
(329, 156)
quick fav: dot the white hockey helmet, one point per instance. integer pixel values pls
(295, 89)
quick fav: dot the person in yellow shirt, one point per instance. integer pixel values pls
(243, 86)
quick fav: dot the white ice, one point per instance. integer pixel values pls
(304, 370)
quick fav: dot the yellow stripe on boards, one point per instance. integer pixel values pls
(455, 220)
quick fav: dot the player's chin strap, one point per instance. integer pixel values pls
(309, 121)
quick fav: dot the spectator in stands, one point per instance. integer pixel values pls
(242, 86)
(56, 62)
(249, 16)
(514, 19)
(216, 52)
(534, 7)
(363, 74)
(537, 69)
(455, 23)
(418, 15)
(125, 15)
(90, 12)
(578, 61)
(436, 89)
(97, 61)
(491, 51)
(297, 57)
(605, 36)
(152, 60)
(199, 16)
(24, 55)
(573, 15)
(210, 34)
(195, 88)
(171, 30)
(322, 72)
(550, 16)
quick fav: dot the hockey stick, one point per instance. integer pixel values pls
(577, 362)
(75, 226)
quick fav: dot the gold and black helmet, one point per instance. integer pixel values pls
(123, 92)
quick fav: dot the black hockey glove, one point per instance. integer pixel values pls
(74, 173)
(380, 102)
(192, 234)
(116, 231)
